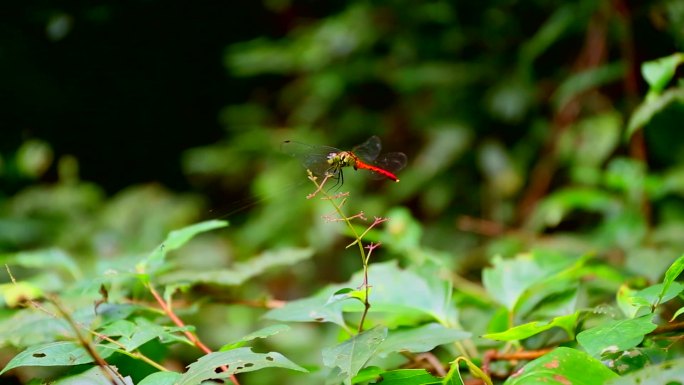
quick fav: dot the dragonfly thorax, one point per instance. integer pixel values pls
(342, 159)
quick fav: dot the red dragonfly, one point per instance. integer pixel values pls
(323, 160)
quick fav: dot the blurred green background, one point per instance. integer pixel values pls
(123, 120)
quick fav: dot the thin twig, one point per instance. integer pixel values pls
(191, 336)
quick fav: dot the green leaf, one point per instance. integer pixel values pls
(658, 73)
(312, 309)
(43, 259)
(409, 377)
(367, 374)
(677, 313)
(239, 272)
(238, 361)
(95, 376)
(527, 330)
(670, 372)
(650, 107)
(175, 240)
(133, 335)
(352, 355)
(55, 354)
(509, 278)
(553, 209)
(419, 339)
(589, 79)
(562, 366)
(408, 293)
(348, 293)
(261, 333)
(16, 293)
(398, 292)
(161, 378)
(616, 335)
(672, 273)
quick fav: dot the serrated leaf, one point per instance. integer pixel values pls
(420, 339)
(562, 366)
(55, 354)
(670, 372)
(409, 377)
(352, 355)
(161, 378)
(530, 329)
(237, 360)
(261, 333)
(616, 335)
(242, 271)
(175, 240)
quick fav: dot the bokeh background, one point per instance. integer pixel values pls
(123, 120)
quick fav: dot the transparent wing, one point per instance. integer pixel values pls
(369, 150)
(392, 162)
(312, 157)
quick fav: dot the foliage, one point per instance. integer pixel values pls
(535, 231)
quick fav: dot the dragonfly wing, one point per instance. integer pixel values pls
(392, 162)
(369, 150)
(312, 157)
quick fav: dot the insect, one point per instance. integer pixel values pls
(330, 161)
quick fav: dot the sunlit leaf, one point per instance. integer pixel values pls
(237, 360)
(16, 293)
(352, 355)
(616, 335)
(527, 330)
(561, 366)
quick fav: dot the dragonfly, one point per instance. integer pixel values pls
(329, 161)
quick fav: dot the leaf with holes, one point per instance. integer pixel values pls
(55, 354)
(237, 360)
